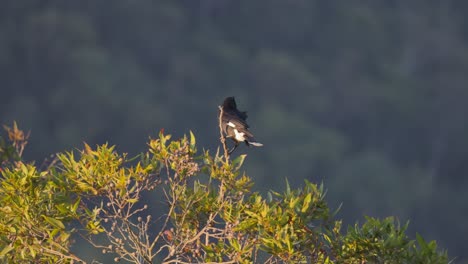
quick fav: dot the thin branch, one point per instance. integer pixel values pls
(182, 262)
(222, 137)
(226, 151)
(68, 255)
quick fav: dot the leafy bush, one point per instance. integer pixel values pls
(211, 214)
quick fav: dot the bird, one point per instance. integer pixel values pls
(234, 125)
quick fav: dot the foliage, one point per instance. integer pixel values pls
(35, 208)
(384, 241)
(211, 216)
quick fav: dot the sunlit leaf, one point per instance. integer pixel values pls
(237, 162)
(192, 141)
(87, 149)
(132, 200)
(5, 250)
(306, 204)
(54, 222)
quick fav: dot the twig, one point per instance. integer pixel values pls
(226, 152)
(222, 137)
(68, 255)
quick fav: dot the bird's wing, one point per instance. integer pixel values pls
(234, 122)
(242, 115)
(239, 122)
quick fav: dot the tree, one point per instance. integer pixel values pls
(211, 215)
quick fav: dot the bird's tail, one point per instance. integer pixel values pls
(253, 143)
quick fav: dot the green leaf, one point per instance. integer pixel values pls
(56, 223)
(327, 238)
(5, 251)
(293, 202)
(337, 210)
(269, 197)
(64, 237)
(32, 251)
(237, 162)
(421, 242)
(75, 205)
(306, 204)
(235, 244)
(192, 140)
(288, 188)
(132, 200)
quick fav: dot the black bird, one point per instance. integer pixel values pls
(234, 125)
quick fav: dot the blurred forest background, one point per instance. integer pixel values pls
(369, 97)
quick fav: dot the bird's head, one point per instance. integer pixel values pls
(229, 103)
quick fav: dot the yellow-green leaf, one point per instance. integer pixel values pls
(88, 149)
(5, 250)
(54, 222)
(306, 204)
(192, 141)
(132, 200)
(237, 162)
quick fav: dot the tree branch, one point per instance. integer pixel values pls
(222, 137)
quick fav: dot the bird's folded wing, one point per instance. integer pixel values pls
(240, 127)
(234, 119)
